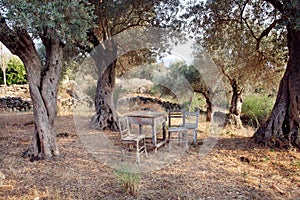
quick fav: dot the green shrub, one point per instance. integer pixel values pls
(16, 72)
(198, 101)
(256, 109)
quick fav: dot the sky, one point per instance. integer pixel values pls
(4, 49)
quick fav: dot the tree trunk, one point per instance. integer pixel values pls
(105, 58)
(43, 85)
(234, 116)
(3, 65)
(208, 109)
(43, 91)
(208, 98)
(282, 127)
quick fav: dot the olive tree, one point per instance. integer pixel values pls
(268, 23)
(114, 18)
(56, 24)
(234, 42)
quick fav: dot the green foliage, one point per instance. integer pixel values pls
(198, 101)
(229, 31)
(64, 20)
(256, 109)
(154, 91)
(15, 72)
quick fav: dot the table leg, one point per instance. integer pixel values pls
(140, 129)
(153, 134)
(164, 131)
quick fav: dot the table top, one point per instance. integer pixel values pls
(146, 114)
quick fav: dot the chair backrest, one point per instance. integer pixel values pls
(124, 128)
(175, 118)
(191, 119)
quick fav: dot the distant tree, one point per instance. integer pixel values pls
(270, 17)
(233, 42)
(56, 24)
(195, 79)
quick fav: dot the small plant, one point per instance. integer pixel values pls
(128, 180)
(256, 109)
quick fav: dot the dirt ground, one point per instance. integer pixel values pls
(235, 168)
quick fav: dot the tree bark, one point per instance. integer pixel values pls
(205, 91)
(208, 109)
(234, 116)
(282, 127)
(105, 58)
(43, 85)
(43, 91)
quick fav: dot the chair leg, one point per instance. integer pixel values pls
(186, 139)
(145, 148)
(195, 138)
(137, 152)
(123, 155)
(170, 142)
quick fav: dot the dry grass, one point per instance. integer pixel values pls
(235, 169)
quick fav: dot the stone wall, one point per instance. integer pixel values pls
(15, 98)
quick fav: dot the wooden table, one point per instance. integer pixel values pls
(142, 118)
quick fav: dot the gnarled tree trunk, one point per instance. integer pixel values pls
(43, 85)
(43, 91)
(282, 127)
(234, 116)
(105, 57)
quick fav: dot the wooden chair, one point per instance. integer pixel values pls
(191, 121)
(176, 119)
(131, 141)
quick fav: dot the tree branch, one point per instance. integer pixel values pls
(17, 41)
(249, 28)
(266, 32)
(8, 36)
(243, 9)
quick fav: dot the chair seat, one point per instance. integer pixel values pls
(177, 129)
(133, 137)
(190, 126)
